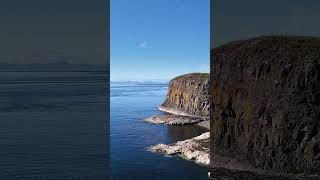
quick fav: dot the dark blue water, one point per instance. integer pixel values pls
(130, 136)
(53, 123)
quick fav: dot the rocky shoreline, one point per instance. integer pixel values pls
(195, 149)
(204, 124)
(186, 105)
(177, 112)
(173, 120)
(175, 117)
(264, 118)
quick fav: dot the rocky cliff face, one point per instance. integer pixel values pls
(189, 94)
(265, 95)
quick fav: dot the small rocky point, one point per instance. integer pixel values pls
(195, 149)
(173, 120)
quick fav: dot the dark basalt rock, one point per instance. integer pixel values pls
(231, 174)
(265, 97)
(189, 93)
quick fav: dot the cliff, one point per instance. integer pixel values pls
(188, 95)
(265, 97)
(187, 102)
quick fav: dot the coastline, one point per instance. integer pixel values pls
(176, 112)
(186, 104)
(205, 122)
(132, 135)
(173, 120)
(195, 149)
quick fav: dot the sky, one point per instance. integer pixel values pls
(235, 20)
(50, 31)
(158, 39)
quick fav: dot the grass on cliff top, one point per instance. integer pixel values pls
(312, 43)
(193, 76)
(302, 41)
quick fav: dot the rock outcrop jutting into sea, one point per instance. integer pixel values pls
(265, 96)
(187, 102)
(196, 149)
(188, 95)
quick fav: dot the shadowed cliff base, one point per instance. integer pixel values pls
(232, 174)
(265, 97)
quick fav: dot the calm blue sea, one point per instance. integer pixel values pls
(53, 122)
(131, 102)
(53, 125)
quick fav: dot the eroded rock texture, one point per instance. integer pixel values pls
(173, 120)
(189, 93)
(266, 102)
(195, 149)
(231, 174)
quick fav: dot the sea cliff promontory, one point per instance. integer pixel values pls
(265, 97)
(188, 95)
(186, 103)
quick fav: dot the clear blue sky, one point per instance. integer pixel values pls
(158, 39)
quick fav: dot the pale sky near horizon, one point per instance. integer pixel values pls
(49, 31)
(236, 20)
(152, 39)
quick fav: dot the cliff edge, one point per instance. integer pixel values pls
(265, 97)
(188, 95)
(187, 102)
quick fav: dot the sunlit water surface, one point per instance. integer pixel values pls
(130, 136)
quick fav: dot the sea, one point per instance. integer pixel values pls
(130, 136)
(53, 122)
